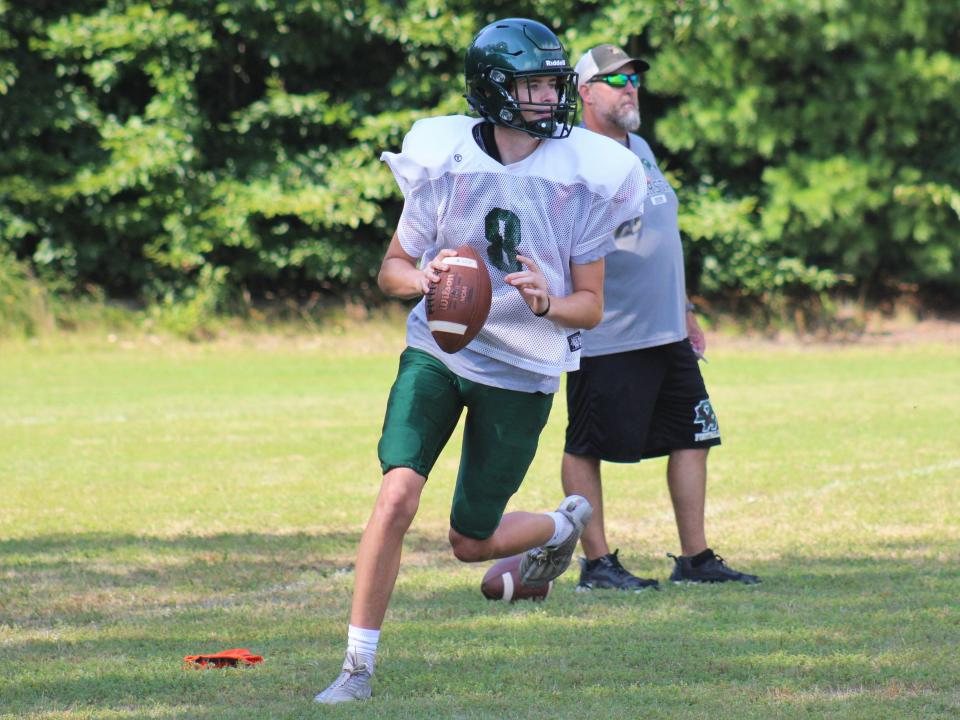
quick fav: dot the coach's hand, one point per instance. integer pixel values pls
(697, 339)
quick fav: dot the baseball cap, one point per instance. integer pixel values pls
(604, 59)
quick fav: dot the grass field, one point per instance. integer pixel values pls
(159, 500)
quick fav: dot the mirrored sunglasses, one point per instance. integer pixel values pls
(619, 80)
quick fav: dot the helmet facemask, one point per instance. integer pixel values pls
(504, 94)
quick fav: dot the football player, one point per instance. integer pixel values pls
(525, 189)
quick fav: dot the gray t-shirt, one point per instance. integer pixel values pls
(644, 297)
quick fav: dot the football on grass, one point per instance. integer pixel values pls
(502, 582)
(458, 305)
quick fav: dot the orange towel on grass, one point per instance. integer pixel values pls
(235, 657)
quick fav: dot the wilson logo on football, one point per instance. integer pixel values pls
(457, 306)
(452, 293)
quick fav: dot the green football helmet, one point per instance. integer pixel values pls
(499, 60)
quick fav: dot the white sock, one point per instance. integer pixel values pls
(363, 642)
(562, 528)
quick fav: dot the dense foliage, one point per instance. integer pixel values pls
(187, 149)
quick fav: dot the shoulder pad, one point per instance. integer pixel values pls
(601, 163)
(429, 148)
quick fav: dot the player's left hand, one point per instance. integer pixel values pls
(531, 284)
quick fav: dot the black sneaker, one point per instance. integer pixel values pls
(709, 568)
(607, 572)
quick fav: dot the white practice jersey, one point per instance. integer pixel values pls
(559, 204)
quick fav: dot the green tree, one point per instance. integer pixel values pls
(810, 135)
(182, 149)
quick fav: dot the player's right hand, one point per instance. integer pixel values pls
(431, 271)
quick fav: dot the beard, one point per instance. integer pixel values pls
(626, 117)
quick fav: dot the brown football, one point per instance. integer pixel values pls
(458, 305)
(502, 582)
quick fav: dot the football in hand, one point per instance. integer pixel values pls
(502, 582)
(458, 305)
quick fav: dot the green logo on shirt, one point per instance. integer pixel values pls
(503, 234)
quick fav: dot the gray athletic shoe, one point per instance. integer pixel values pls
(353, 683)
(542, 564)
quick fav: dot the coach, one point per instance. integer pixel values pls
(639, 392)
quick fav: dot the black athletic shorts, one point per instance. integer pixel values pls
(639, 404)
